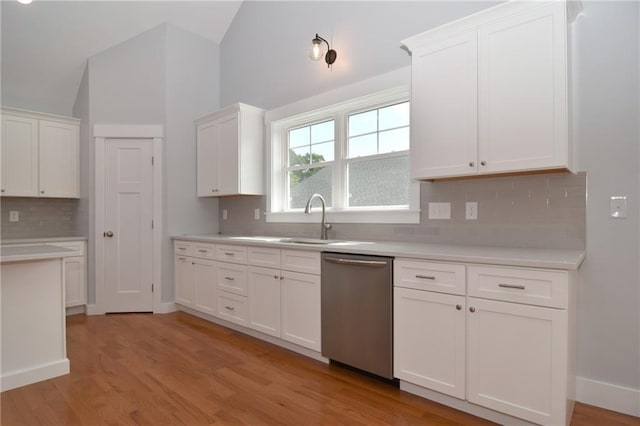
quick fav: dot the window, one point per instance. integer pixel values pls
(355, 154)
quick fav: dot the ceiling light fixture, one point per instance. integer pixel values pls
(317, 51)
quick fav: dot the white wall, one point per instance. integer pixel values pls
(192, 90)
(264, 62)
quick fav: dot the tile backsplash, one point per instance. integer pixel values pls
(39, 217)
(544, 211)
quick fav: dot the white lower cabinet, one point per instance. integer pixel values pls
(301, 309)
(429, 331)
(204, 285)
(264, 303)
(517, 355)
(184, 280)
(75, 281)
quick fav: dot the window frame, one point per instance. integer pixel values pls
(340, 212)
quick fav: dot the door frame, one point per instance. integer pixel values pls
(101, 133)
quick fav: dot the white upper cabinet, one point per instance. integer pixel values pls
(40, 154)
(490, 93)
(230, 152)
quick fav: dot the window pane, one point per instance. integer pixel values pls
(365, 122)
(383, 182)
(322, 132)
(394, 116)
(394, 140)
(363, 145)
(322, 152)
(304, 183)
(299, 156)
(299, 137)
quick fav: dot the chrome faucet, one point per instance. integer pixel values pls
(324, 226)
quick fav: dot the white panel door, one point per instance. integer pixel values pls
(207, 158)
(429, 340)
(228, 163)
(128, 216)
(301, 309)
(184, 280)
(444, 109)
(19, 156)
(264, 300)
(75, 282)
(510, 345)
(523, 86)
(58, 165)
(205, 298)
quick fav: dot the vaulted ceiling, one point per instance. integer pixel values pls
(45, 45)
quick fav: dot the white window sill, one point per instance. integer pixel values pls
(371, 216)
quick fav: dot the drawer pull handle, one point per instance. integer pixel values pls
(229, 278)
(426, 277)
(516, 286)
(182, 248)
(229, 254)
(472, 309)
(202, 251)
(230, 308)
(182, 258)
(459, 307)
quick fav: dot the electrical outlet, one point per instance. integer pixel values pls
(256, 214)
(439, 210)
(618, 207)
(471, 212)
(224, 214)
(14, 216)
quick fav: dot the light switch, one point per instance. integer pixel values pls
(439, 210)
(14, 216)
(224, 214)
(471, 212)
(618, 207)
(256, 214)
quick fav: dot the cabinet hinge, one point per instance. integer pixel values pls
(151, 223)
(152, 160)
(151, 287)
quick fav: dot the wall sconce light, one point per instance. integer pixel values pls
(317, 51)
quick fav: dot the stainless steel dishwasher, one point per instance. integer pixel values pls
(357, 321)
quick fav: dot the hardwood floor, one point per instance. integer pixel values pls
(178, 369)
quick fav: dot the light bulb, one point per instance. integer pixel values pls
(316, 50)
(25, 1)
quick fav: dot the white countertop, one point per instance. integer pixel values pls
(523, 257)
(40, 240)
(9, 253)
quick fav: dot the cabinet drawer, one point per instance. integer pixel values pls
(183, 248)
(265, 257)
(235, 254)
(232, 278)
(307, 262)
(530, 286)
(204, 250)
(441, 277)
(232, 307)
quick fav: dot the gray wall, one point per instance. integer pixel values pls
(605, 80)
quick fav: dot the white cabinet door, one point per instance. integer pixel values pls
(19, 156)
(204, 286)
(184, 280)
(429, 340)
(444, 108)
(58, 162)
(264, 300)
(228, 164)
(208, 140)
(523, 91)
(301, 309)
(75, 280)
(517, 359)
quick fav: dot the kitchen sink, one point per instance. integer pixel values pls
(309, 241)
(264, 239)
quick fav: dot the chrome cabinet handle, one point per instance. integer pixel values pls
(229, 254)
(229, 278)
(230, 308)
(275, 277)
(516, 286)
(42, 192)
(472, 309)
(373, 263)
(483, 163)
(182, 248)
(471, 164)
(182, 258)
(426, 277)
(459, 307)
(107, 234)
(202, 251)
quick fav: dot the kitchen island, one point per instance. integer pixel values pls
(33, 314)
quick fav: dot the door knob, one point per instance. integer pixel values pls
(107, 234)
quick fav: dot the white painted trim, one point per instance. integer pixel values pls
(165, 308)
(40, 115)
(35, 374)
(609, 396)
(102, 132)
(133, 131)
(75, 310)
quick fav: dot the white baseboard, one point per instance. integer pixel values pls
(165, 308)
(609, 396)
(35, 374)
(75, 310)
(93, 310)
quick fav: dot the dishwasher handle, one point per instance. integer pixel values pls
(369, 263)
